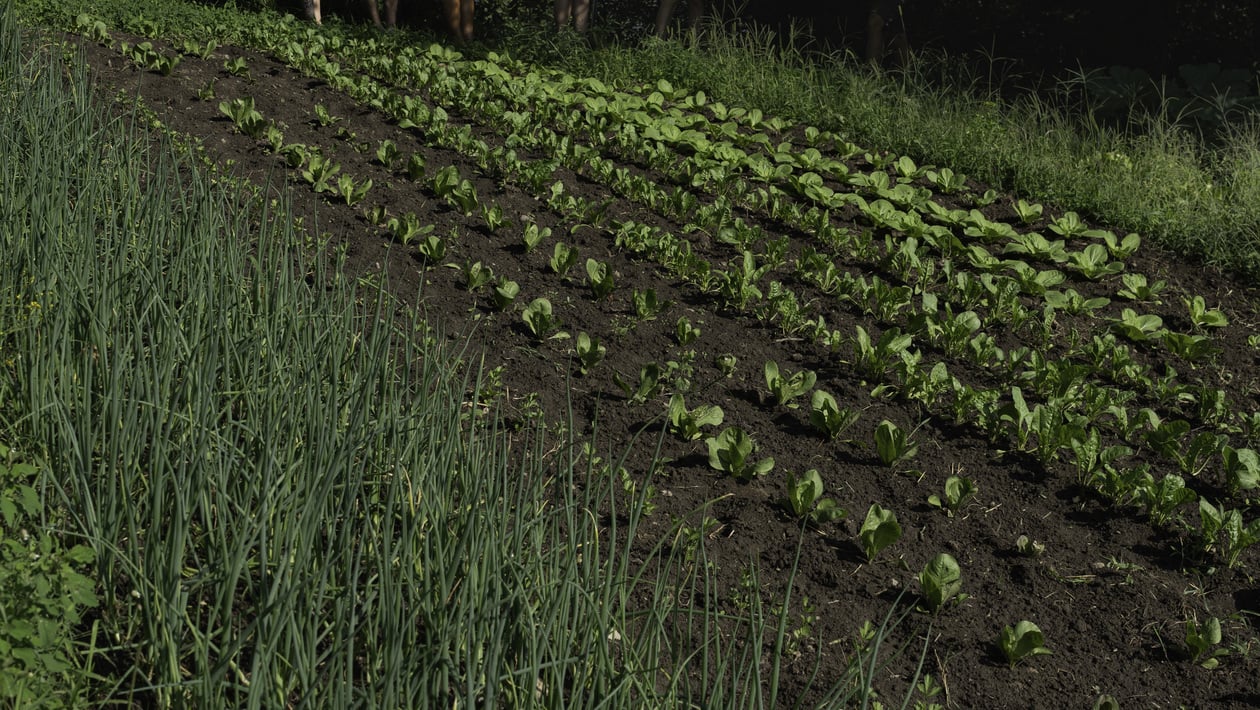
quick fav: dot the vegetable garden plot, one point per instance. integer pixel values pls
(1071, 420)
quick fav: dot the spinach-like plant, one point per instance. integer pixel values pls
(646, 305)
(1028, 212)
(958, 491)
(590, 352)
(505, 293)
(1241, 468)
(1203, 641)
(319, 171)
(1093, 262)
(893, 444)
(238, 67)
(684, 332)
(688, 423)
(946, 180)
(353, 193)
(1023, 641)
(1137, 328)
(432, 248)
(827, 417)
(785, 388)
(804, 499)
(1071, 225)
(1163, 498)
(941, 581)
(649, 384)
(1121, 248)
(323, 118)
(563, 257)
(601, 279)
(493, 216)
(415, 167)
(1223, 530)
(873, 358)
(1190, 347)
(1138, 288)
(247, 119)
(726, 365)
(476, 275)
(533, 235)
(387, 153)
(1202, 316)
(732, 452)
(539, 318)
(407, 228)
(879, 530)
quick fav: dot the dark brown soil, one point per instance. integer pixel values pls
(1111, 592)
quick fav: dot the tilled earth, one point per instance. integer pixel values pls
(1111, 592)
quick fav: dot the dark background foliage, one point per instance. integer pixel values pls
(1155, 35)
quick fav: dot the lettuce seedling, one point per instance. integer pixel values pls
(1025, 640)
(1028, 212)
(893, 444)
(533, 235)
(601, 279)
(538, 317)
(387, 153)
(1188, 347)
(649, 384)
(805, 499)
(563, 257)
(590, 352)
(1223, 530)
(1202, 316)
(1138, 328)
(958, 491)
(946, 180)
(1138, 288)
(646, 305)
(731, 452)
(351, 192)
(1163, 498)
(237, 66)
(1093, 262)
(688, 423)
(505, 294)
(684, 332)
(476, 275)
(940, 580)
(432, 248)
(785, 388)
(319, 171)
(1203, 639)
(1121, 248)
(1242, 469)
(323, 118)
(246, 118)
(493, 217)
(879, 530)
(415, 167)
(827, 417)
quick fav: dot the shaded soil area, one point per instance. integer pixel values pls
(1110, 591)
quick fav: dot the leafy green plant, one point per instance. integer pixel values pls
(689, 423)
(590, 352)
(958, 491)
(1021, 642)
(893, 444)
(563, 257)
(1203, 641)
(1093, 262)
(1137, 328)
(323, 118)
(387, 153)
(879, 530)
(539, 318)
(946, 180)
(684, 332)
(646, 305)
(732, 452)
(243, 114)
(353, 193)
(1029, 547)
(533, 235)
(804, 499)
(415, 167)
(649, 384)
(1162, 498)
(1202, 316)
(494, 218)
(1028, 212)
(1121, 248)
(205, 92)
(407, 228)
(238, 67)
(1189, 347)
(505, 293)
(828, 417)
(1241, 468)
(726, 364)
(475, 274)
(941, 581)
(601, 279)
(1223, 530)
(1138, 288)
(432, 248)
(786, 388)
(319, 171)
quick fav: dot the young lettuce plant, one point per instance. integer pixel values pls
(432, 248)
(1242, 469)
(1137, 328)
(387, 153)
(958, 491)
(893, 443)
(1093, 262)
(533, 236)
(563, 257)
(475, 274)
(1022, 641)
(1138, 288)
(353, 193)
(1202, 316)
(1163, 498)
(649, 384)
(941, 581)
(1223, 530)
(1203, 642)
(247, 119)
(685, 333)
(689, 423)
(601, 279)
(827, 417)
(786, 388)
(319, 171)
(539, 319)
(879, 530)
(732, 452)
(505, 293)
(590, 352)
(1028, 212)
(646, 305)
(804, 499)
